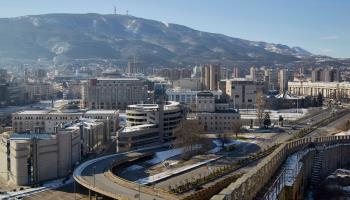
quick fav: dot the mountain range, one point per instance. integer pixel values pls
(125, 37)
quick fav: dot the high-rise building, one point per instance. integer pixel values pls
(325, 75)
(211, 75)
(113, 93)
(257, 75)
(271, 79)
(235, 72)
(284, 76)
(134, 67)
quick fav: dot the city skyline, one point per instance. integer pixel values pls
(311, 25)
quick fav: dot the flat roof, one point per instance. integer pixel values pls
(29, 136)
(117, 79)
(138, 127)
(34, 112)
(101, 112)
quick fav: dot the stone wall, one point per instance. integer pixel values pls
(248, 186)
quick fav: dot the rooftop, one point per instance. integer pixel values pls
(117, 79)
(101, 112)
(29, 136)
(138, 128)
(34, 112)
(205, 94)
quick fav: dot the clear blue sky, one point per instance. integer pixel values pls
(320, 26)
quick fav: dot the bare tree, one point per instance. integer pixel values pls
(260, 107)
(191, 138)
(236, 126)
(224, 138)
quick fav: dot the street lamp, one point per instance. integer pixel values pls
(94, 168)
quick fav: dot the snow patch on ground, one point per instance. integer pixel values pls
(171, 172)
(133, 26)
(30, 191)
(218, 145)
(166, 24)
(163, 155)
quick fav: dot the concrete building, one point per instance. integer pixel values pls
(150, 124)
(33, 158)
(134, 67)
(271, 79)
(30, 158)
(113, 93)
(214, 115)
(39, 91)
(211, 77)
(332, 90)
(284, 77)
(257, 74)
(325, 75)
(187, 83)
(186, 96)
(242, 92)
(47, 120)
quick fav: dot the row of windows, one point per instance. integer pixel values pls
(216, 117)
(47, 118)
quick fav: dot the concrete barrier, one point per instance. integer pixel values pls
(248, 186)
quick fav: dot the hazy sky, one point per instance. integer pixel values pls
(320, 26)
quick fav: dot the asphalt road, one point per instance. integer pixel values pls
(93, 174)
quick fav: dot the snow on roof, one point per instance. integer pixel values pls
(101, 112)
(138, 128)
(29, 136)
(34, 112)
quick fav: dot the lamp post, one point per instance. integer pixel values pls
(94, 168)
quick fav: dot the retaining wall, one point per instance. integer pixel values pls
(248, 186)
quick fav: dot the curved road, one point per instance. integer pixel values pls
(91, 174)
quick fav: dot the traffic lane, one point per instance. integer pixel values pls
(105, 184)
(330, 128)
(100, 181)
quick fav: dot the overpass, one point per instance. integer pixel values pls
(95, 175)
